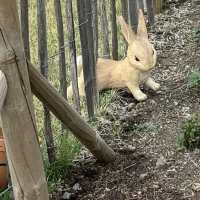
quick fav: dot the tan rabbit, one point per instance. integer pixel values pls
(130, 72)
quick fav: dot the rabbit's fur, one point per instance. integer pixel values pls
(130, 72)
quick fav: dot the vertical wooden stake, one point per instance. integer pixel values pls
(133, 14)
(72, 49)
(43, 59)
(114, 30)
(25, 26)
(87, 47)
(104, 28)
(23, 152)
(150, 12)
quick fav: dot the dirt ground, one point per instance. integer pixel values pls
(149, 165)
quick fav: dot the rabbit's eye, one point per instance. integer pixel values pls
(137, 59)
(153, 52)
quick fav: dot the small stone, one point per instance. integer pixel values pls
(161, 161)
(131, 106)
(143, 176)
(77, 187)
(156, 186)
(67, 195)
(196, 187)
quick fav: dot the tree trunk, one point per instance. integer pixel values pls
(43, 59)
(23, 152)
(62, 110)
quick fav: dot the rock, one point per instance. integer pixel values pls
(131, 106)
(161, 161)
(67, 195)
(143, 176)
(77, 187)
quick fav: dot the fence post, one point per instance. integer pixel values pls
(141, 4)
(158, 4)
(114, 30)
(104, 28)
(72, 51)
(124, 7)
(133, 14)
(23, 153)
(87, 47)
(25, 26)
(43, 59)
(95, 27)
(150, 11)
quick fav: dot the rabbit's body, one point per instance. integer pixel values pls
(130, 72)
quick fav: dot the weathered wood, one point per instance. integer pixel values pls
(23, 152)
(25, 26)
(3, 91)
(133, 14)
(72, 50)
(114, 30)
(87, 48)
(150, 11)
(141, 4)
(43, 61)
(157, 4)
(62, 63)
(104, 28)
(62, 110)
(95, 27)
(124, 7)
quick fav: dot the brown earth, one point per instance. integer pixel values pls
(148, 165)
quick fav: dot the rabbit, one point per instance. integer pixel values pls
(130, 72)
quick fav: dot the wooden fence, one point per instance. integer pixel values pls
(90, 12)
(21, 143)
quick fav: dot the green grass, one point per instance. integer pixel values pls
(6, 195)
(194, 79)
(189, 137)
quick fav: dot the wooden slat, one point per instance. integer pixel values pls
(133, 16)
(114, 30)
(72, 50)
(150, 11)
(87, 48)
(25, 26)
(43, 61)
(104, 28)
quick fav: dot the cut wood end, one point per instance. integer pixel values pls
(3, 89)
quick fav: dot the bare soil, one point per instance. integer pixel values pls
(148, 164)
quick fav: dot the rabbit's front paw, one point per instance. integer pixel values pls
(141, 97)
(156, 86)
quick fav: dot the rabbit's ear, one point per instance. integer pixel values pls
(127, 32)
(142, 29)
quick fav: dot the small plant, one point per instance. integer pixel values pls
(189, 137)
(194, 79)
(196, 35)
(67, 148)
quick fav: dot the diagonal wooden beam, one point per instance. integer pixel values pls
(69, 117)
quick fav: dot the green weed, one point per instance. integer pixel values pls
(189, 137)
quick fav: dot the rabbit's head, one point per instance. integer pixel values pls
(141, 53)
